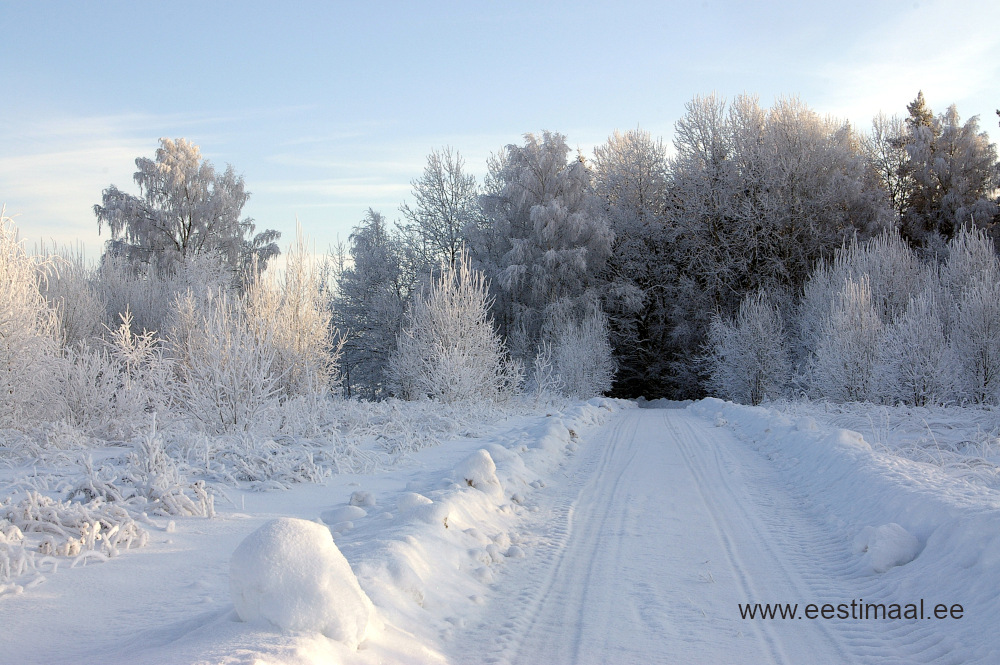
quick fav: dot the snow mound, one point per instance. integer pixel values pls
(290, 574)
(362, 499)
(478, 470)
(886, 546)
(410, 501)
(343, 514)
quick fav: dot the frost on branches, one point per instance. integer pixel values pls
(749, 362)
(448, 348)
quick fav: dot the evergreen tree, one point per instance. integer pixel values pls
(952, 175)
(371, 299)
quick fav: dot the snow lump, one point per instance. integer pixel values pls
(478, 470)
(290, 574)
(886, 546)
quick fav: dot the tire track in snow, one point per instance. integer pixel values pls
(748, 539)
(662, 525)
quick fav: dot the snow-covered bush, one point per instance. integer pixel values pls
(581, 351)
(28, 335)
(291, 311)
(149, 294)
(747, 360)
(226, 378)
(69, 290)
(37, 527)
(975, 341)
(150, 481)
(113, 387)
(543, 384)
(912, 364)
(894, 273)
(448, 348)
(846, 357)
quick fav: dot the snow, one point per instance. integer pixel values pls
(479, 471)
(290, 574)
(886, 546)
(584, 532)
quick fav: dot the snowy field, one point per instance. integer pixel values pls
(590, 533)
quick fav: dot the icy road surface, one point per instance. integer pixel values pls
(663, 525)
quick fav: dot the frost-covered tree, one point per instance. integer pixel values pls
(952, 174)
(971, 285)
(373, 290)
(885, 150)
(756, 197)
(748, 359)
(291, 309)
(846, 359)
(630, 172)
(184, 208)
(581, 354)
(894, 272)
(448, 348)
(445, 203)
(975, 342)
(542, 238)
(971, 258)
(913, 367)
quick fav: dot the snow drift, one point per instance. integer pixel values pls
(290, 574)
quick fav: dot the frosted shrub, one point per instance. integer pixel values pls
(448, 348)
(28, 334)
(845, 362)
(971, 258)
(112, 388)
(544, 385)
(225, 369)
(894, 274)
(72, 528)
(149, 293)
(68, 289)
(291, 311)
(124, 288)
(748, 361)
(89, 383)
(975, 342)
(913, 354)
(581, 353)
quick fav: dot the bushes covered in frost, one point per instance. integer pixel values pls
(448, 348)
(36, 531)
(581, 354)
(28, 335)
(878, 324)
(748, 361)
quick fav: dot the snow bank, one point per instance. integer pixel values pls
(290, 574)
(923, 532)
(428, 560)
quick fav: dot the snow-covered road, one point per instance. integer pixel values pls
(662, 527)
(600, 533)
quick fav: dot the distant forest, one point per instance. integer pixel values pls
(772, 253)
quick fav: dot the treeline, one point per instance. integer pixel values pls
(771, 245)
(651, 246)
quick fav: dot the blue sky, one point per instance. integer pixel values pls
(329, 108)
